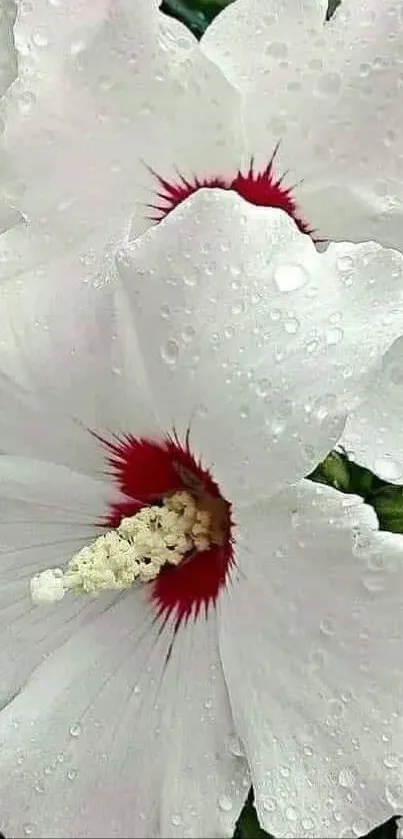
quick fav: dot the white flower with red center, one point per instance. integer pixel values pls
(118, 113)
(178, 409)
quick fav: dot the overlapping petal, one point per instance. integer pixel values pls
(315, 628)
(106, 91)
(326, 93)
(252, 339)
(374, 432)
(117, 733)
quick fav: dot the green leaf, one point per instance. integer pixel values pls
(247, 826)
(388, 505)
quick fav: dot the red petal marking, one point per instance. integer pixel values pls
(145, 471)
(261, 188)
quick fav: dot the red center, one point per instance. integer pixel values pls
(263, 189)
(145, 472)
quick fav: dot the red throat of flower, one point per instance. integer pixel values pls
(262, 188)
(146, 471)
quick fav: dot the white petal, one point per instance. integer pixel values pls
(119, 735)
(374, 432)
(252, 339)
(8, 57)
(246, 40)
(107, 90)
(347, 163)
(47, 513)
(72, 367)
(311, 647)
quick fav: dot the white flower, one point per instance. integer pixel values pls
(275, 655)
(119, 113)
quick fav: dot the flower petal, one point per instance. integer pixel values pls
(347, 163)
(47, 513)
(75, 367)
(122, 734)
(374, 432)
(252, 339)
(246, 41)
(311, 647)
(107, 90)
(8, 57)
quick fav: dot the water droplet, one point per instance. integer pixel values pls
(334, 336)
(188, 333)
(291, 325)
(28, 829)
(72, 774)
(326, 626)
(208, 704)
(269, 805)
(290, 277)
(165, 311)
(48, 770)
(40, 39)
(176, 820)
(275, 315)
(225, 803)
(277, 49)
(285, 771)
(190, 279)
(307, 824)
(75, 729)
(391, 761)
(308, 751)
(262, 388)
(238, 308)
(60, 758)
(345, 264)
(170, 352)
(244, 412)
(291, 814)
(235, 747)
(346, 777)
(136, 690)
(39, 787)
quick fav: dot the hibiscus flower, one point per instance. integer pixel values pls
(215, 619)
(119, 113)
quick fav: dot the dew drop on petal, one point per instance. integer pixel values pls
(188, 333)
(28, 829)
(345, 264)
(269, 805)
(170, 352)
(39, 787)
(334, 336)
(176, 820)
(307, 824)
(75, 729)
(225, 803)
(235, 747)
(291, 326)
(346, 777)
(72, 774)
(290, 277)
(262, 388)
(165, 311)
